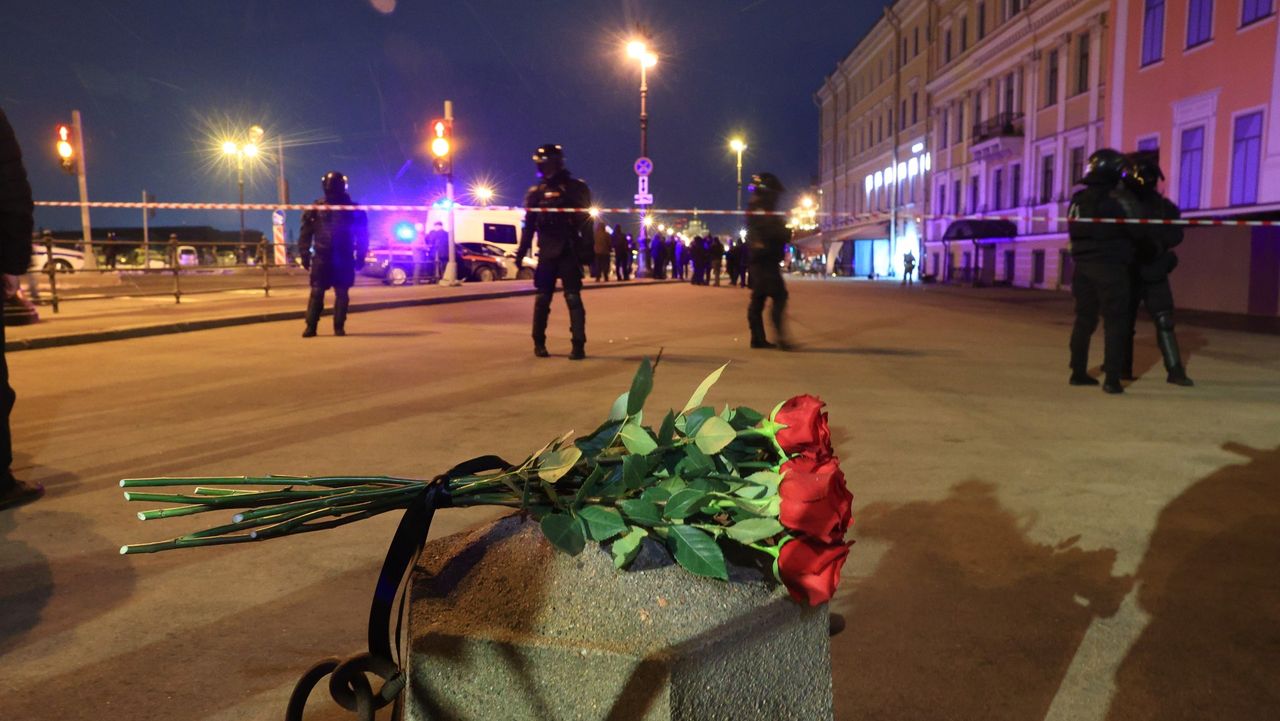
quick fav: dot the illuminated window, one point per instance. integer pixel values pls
(1153, 30)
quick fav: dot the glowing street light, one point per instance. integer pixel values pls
(738, 145)
(241, 151)
(482, 193)
(639, 51)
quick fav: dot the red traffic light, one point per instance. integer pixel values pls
(66, 148)
(440, 138)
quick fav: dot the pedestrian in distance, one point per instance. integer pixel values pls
(437, 242)
(679, 252)
(1154, 260)
(17, 218)
(767, 237)
(697, 252)
(731, 262)
(566, 242)
(744, 267)
(600, 264)
(622, 247)
(333, 245)
(657, 256)
(908, 268)
(717, 259)
(1102, 254)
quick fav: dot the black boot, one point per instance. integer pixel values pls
(1172, 355)
(315, 304)
(1081, 378)
(541, 312)
(341, 301)
(1112, 385)
(577, 324)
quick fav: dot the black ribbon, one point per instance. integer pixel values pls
(348, 684)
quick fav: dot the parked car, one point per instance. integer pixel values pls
(187, 256)
(133, 260)
(62, 259)
(476, 261)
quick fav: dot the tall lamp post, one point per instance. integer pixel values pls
(737, 145)
(240, 151)
(639, 51)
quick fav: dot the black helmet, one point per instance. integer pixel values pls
(1106, 167)
(766, 183)
(1145, 165)
(334, 183)
(548, 151)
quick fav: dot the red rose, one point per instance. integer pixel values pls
(811, 569)
(814, 499)
(806, 431)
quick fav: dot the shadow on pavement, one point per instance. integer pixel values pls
(27, 584)
(1211, 582)
(965, 617)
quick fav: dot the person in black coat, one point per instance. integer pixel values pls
(767, 237)
(1102, 253)
(333, 245)
(566, 242)
(622, 247)
(1155, 259)
(17, 217)
(717, 259)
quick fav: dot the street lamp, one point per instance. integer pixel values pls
(638, 50)
(241, 151)
(737, 145)
(483, 194)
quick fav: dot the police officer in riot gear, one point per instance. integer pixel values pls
(565, 244)
(767, 237)
(1155, 259)
(333, 245)
(1102, 253)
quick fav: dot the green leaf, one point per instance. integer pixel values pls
(751, 491)
(667, 432)
(637, 439)
(557, 463)
(613, 487)
(656, 495)
(619, 409)
(754, 529)
(550, 490)
(673, 485)
(714, 434)
(565, 533)
(588, 485)
(695, 418)
(640, 387)
(602, 523)
(697, 462)
(599, 440)
(766, 478)
(634, 471)
(642, 512)
(626, 548)
(695, 400)
(683, 504)
(698, 553)
(749, 416)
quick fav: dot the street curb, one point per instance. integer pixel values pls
(248, 319)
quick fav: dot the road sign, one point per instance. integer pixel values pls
(642, 185)
(644, 199)
(643, 166)
(277, 217)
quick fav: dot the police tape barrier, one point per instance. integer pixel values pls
(395, 208)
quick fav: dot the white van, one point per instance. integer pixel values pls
(495, 227)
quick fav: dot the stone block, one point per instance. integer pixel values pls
(504, 627)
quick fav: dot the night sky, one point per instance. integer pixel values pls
(352, 87)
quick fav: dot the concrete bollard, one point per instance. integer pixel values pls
(504, 627)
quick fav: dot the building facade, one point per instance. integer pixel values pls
(1199, 80)
(874, 117)
(1018, 97)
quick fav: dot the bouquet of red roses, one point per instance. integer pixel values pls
(701, 482)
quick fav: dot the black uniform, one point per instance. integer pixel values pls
(767, 237)
(1102, 253)
(621, 253)
(1149, 282)
(16, 222)
(717, 258)
(333, 244)
(565, 244)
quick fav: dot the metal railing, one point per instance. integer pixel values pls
(1002, 125)
(60, 272)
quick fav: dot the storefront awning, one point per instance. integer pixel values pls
(863, 231)
(980, 229)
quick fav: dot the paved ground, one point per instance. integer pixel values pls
(1026, 550)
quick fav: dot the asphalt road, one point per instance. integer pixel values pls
(1026, 550)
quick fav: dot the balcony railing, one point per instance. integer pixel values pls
(1001, 126)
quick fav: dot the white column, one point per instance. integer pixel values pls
(1269, 183)
(1119, 55)
(1096, 33)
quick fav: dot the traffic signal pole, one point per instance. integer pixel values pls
(451, 268)
(90, 258)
